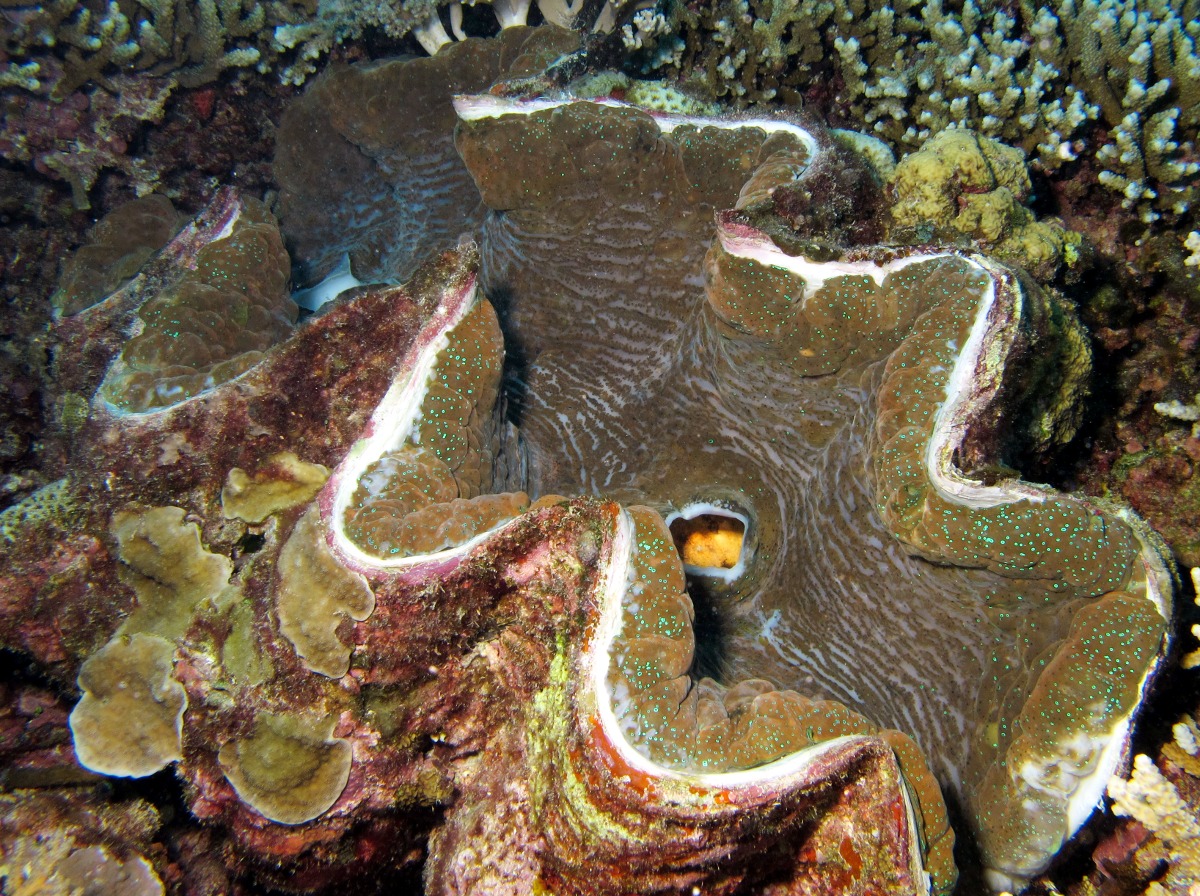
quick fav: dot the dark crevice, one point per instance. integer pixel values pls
(712, 631)
(514, 385)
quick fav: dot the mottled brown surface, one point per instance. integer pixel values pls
(365, 163)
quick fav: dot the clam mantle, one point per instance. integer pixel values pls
(433, 643)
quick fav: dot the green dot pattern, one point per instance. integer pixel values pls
(212, 324)
(1088, 686)
(433, 492)
(1057, 538)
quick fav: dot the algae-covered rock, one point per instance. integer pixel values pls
(53, 865)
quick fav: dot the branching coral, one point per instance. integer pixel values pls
(312, 33)
(58, 47)
(186, 42)
(1152, 799)
(1038, 77)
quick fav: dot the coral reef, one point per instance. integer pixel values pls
(85, 133)
(1039, 77)
(340, 694)
(1143, 313)
(58, 47)
(190, 43)
(333, 606)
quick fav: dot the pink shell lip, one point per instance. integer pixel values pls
(686, 791)
(389, 424)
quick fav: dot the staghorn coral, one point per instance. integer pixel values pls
(312, 33)
(1039, 77)
(60, 46)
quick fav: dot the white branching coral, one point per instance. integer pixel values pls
(1192, 244)
(1177, 410)
(1035, 76)
(1151, 799)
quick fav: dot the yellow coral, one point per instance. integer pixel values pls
(1155, 802)
(965, 183)
(283, 481)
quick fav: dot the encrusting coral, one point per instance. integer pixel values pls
(288, 768)
(129, 720)
(961, 183)
(282, 482)
(316, 593)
